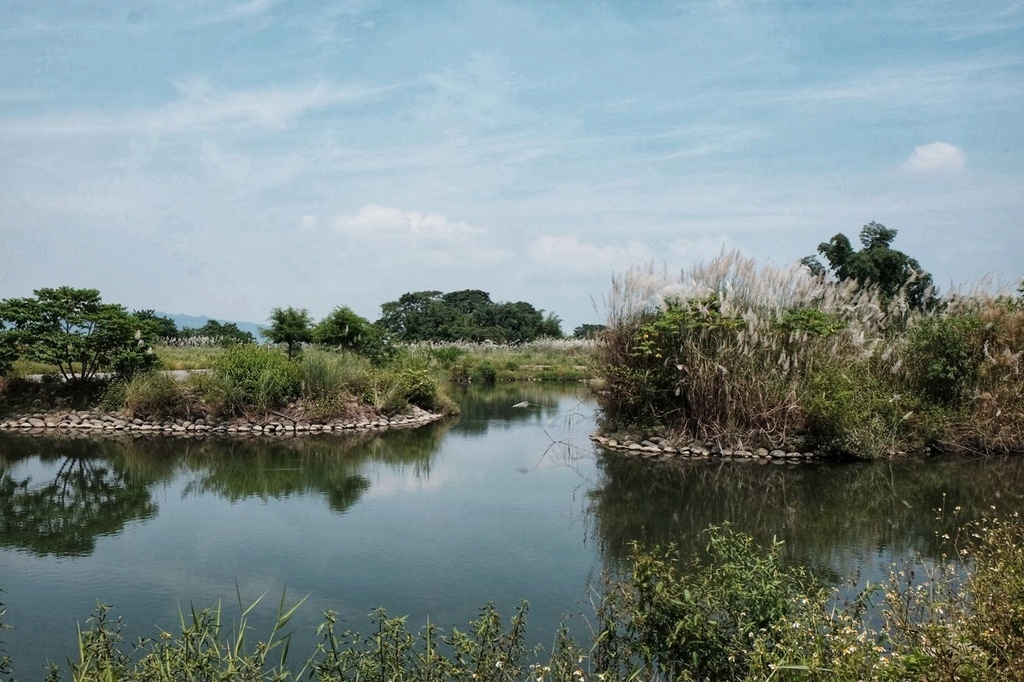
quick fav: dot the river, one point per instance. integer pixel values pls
(499, 504)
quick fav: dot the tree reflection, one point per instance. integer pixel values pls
(490, 407)
(827, 514)
(86, 499)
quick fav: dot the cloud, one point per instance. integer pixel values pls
(936, 157)
(376, 220)
(567, 252)
(200, 106)
(308, 223)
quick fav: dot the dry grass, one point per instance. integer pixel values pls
(760, 355)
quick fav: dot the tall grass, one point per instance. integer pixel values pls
(766, 356)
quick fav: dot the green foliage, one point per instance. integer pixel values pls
(945, 353)
(811, 321)
(149, 395)
(701, 621)
(485, 373)
(343, 328)
(290, 326)
(467, 315)
(849, 411)
(221, 334)
(8, 350)
(73, 330)
(589, 331)
(258, 377)
(877, 263)
(764, 357)
(155, 328)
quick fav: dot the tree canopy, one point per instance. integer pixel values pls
(75, 331)
(877, 263)
(343, 328)
(290, 326)
(222, 333)
(466, 315)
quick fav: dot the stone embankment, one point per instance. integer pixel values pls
(660, 449)
(86, 422)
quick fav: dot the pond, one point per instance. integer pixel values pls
(499, 504)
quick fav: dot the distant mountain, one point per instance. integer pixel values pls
(197, 321)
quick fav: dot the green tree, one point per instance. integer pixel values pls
(75, 331)
(155, 328)
(8, 350)
(588, 331)
(222, 334)
(343, 328)
(409, 317)
(877, 263)
(290, 326)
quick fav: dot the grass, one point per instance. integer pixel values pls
(256, 381)
(751, 355)
(738, 614)
(187, 357)
(556, 360)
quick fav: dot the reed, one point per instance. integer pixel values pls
(758, 355)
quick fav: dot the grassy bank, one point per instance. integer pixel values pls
(252, 381)
(557, 360)
(760, 356)
(737, 614)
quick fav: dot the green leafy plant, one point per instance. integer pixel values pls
(257, 377)
(291, 327)
(74, 331)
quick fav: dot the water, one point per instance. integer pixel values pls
(499, 505)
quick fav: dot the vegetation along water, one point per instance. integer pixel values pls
(891, 567)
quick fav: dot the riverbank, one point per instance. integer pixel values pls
(277, 425)
(665, 450)
(735, 352)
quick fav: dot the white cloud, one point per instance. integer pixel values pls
(308, 223)
(936, 157)
(567, 252)
(200, 106)
(376, 220)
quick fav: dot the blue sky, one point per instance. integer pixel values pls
(223, 157)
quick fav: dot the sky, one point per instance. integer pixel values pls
(225, 157)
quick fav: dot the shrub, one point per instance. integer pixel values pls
(328, 376)
(944, 353)
(701, 621)
(257, 377)
(149, 395)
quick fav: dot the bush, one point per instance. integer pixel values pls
(763, 356)
(257, 377)
(149, 395)
(330, 376)
(944, 353)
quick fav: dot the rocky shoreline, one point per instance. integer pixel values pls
(93, 422)
(661, 449)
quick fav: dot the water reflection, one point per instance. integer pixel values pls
(491, 407)
(830, 516)
(76, 496)
(76, 490)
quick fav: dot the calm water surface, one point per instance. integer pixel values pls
(500, 505)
